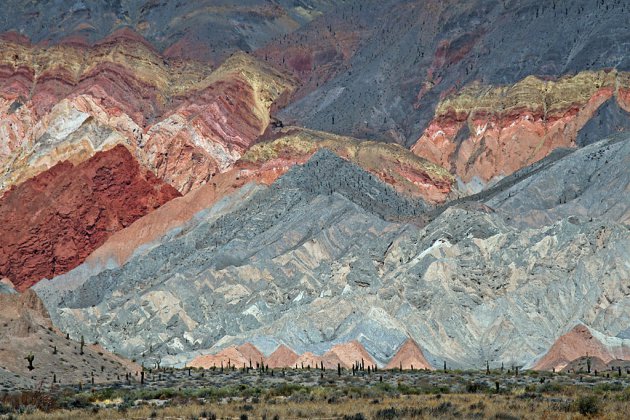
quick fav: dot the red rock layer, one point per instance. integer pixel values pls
(409, 356)
(229, 356)
(576, 344)
(486, 132)
(53, 221)
(184, 120)
(121, 245)
(345, 355)
(349, 354)
(250, 352)
(282, 357)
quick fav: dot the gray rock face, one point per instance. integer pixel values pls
(592, 182)
(328, 254)
(207, 28)
(452, 43)
(609, 120)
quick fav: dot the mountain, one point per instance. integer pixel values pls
(239, 277)
(311, 181)
(57, 218)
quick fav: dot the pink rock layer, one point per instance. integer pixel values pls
(498, 143)
(345, 355)
(576, 344)
(409, 356)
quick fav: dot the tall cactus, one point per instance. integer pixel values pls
(30, 359)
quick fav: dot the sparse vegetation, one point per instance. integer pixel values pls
(198, 393)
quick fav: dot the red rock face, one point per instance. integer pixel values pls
(183, 120)
(53, 221)
(282, 357)
(482, 133)
(576, 345)
(409, 356)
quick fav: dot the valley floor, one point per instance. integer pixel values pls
(291, 394)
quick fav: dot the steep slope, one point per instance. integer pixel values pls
(483, 133)
(390, 63)
(56, 219)
(472, 285)
(27, 329)
(182, 119)
(579, 343)
(206, 29)
(409, 356)
(591, 183)
(244, 259)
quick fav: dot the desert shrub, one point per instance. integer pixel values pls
(357, 416)
(387, 413)
(504, 416)
(608, 387)
(475, 387)
(443, 409)
(587, 405)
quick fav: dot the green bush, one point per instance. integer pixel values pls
(588, 405)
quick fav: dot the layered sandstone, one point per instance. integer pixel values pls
(580, 344)
(483, 133)
(183, 120)
(56, 219)
(409, 356)
(392, 163)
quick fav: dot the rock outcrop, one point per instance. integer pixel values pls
(409, 356)
(393, 164)
(580, 344)
(182, 119)
(53, 221)
(484, 133)
(468, 282)
(27, 329)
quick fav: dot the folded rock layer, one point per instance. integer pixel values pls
(56, 219)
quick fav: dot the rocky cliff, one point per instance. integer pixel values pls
(468, 283)
(53, 221)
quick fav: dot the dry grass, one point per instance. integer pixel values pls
(499, 406)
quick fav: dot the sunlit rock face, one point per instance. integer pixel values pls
(184, 120)
(483, 278)
(53, 221)
(483, 133)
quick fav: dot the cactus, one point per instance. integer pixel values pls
(82, 344)
(339, 369)
(30, 359)
(588, 363)
(487, 367)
